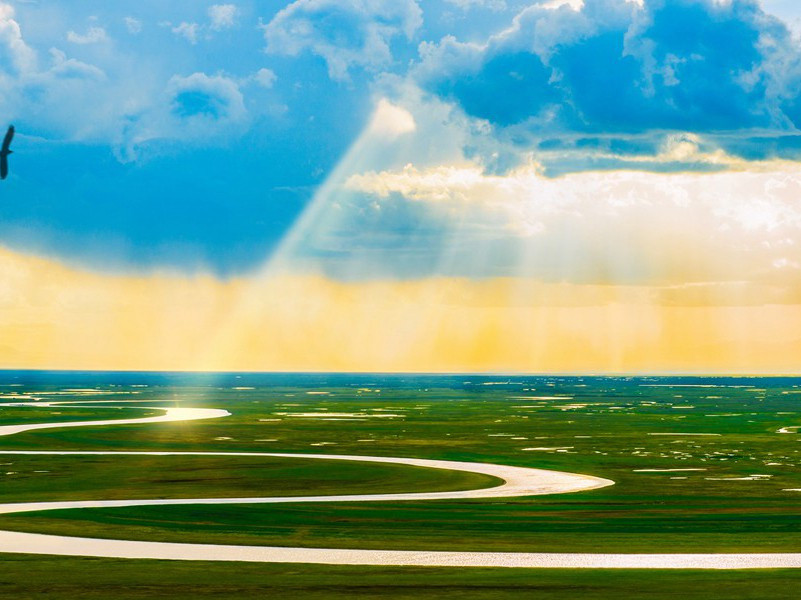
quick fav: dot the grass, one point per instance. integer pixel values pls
(64, 413)
(58, 578)
(502, 526)
(603, 427)
(50, 478)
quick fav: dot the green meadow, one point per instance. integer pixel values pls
(58, 578)
(699, 466)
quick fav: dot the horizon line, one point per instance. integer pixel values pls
(423, 373)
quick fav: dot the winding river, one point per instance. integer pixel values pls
(517, 481)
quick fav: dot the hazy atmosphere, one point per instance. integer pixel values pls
(479, 185)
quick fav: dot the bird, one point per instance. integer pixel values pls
(4, 152)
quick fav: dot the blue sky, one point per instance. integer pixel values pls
(192, 136)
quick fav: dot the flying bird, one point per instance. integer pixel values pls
(4, 152)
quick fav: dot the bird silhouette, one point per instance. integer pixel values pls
(4, 152)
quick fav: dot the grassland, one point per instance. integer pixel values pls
(731, 494)
(57, 578)
(13, 415)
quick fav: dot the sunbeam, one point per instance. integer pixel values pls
(397, 265)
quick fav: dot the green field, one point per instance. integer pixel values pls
(57, 578)
(731, 494)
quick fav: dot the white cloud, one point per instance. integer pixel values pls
(93, 35)
(221, 95)
(618, 226)
(197, 107)
(787, 10)
(56, 93)
(133, 25)
(22, 57)
(555, 4)
(391, 121)
(187, 30)
(132, 107)
(265, 78)
(345, 35)
(70, 67)
(469, 4)
(222, 16)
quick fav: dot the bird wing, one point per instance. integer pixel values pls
(3, 166)
(7, 139)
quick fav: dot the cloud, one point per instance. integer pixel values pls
(187, 30)
(470, 4)
(556, 4)
(266, 78)
(54, 93)
(17, 56)
(391, 121)
(55, 97)
(131, 106)
(344, 35)
(624, 227)
(133, 25)
(72, 68)
(197, 109)
(201, 95)
(222, 16)
(725, 70)
(93, 35)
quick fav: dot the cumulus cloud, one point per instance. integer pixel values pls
(93, 35)
(555, 4)
(186, 30)
(627, 69)
(197, 109)
(469, 4)
(203, 96)
(72, 68)
(391, 121)
(127, 111)
(450, 216)
(344, 35)
(58, 94)
(618, 227)
(222, 16)
(133, 25)
(55, 89)
(266, 78)
(17, 56)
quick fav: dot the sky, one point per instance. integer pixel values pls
(402, 185)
